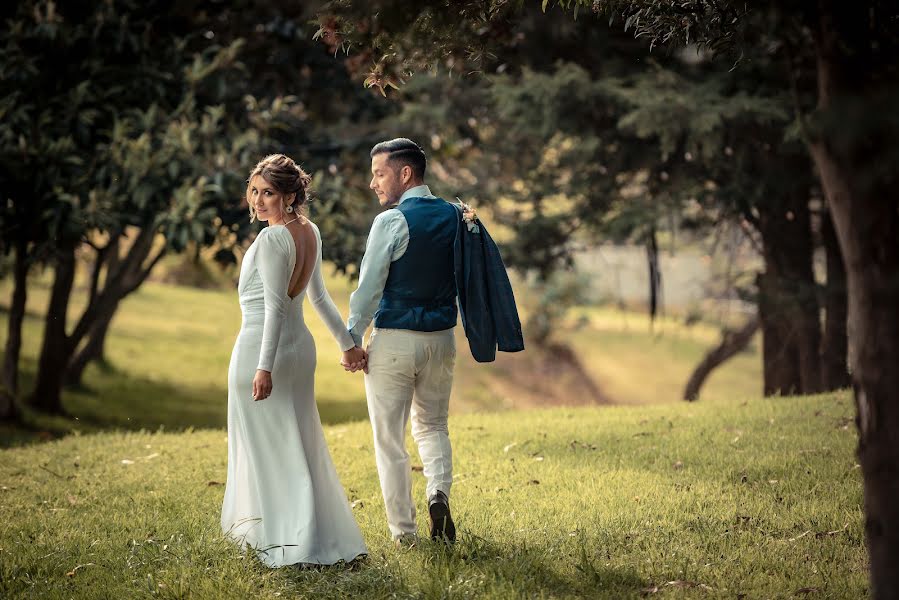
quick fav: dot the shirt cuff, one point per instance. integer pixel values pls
(356, 338)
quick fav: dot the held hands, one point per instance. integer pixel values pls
(262, 385)
(354, 359)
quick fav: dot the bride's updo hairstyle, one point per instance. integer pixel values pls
(286, 176)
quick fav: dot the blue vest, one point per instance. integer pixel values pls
(420, 292)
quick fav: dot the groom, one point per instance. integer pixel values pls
(407, 284)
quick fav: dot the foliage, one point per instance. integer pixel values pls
(554, 297)
(139, 145)
(589, 140)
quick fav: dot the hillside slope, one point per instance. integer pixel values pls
(169, 348)
(710, 500)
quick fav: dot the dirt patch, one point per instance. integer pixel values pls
(544, 376)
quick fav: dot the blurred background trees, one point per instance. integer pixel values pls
(565, 129)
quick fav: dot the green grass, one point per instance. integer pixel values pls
(639, 363)
(708, 500)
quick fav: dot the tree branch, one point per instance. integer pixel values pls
(144, 273)
(113, 289)
(732, 342)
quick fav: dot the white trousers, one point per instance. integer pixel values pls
(410, 371)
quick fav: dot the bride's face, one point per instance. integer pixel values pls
(385, 181)
(269, 204)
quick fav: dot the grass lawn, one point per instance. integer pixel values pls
(719, 499)
(169, 349)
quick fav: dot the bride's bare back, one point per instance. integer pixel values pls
(307, 250)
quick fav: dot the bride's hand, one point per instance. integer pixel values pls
(354, 359)
(262, 385)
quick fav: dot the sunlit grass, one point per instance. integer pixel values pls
(169, 349)
(712, 500)
(170, 346)
(638, 362)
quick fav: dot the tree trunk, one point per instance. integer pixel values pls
(834, 344)
(56, 349)
(852, 145)
(8, 409)
(868, 227)
(93, 350)
(788, 305)
(780, 359)
(732, 343)
(122, 278)
(655, 275)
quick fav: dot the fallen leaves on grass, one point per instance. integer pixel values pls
(678, 583)
(820, 534)
(76, 569)
(585, 445)
(52, 472)
(799, 537)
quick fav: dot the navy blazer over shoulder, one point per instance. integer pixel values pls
(486, 302)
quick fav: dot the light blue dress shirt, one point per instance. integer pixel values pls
(387, 242)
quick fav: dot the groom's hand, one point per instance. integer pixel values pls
(354, 359)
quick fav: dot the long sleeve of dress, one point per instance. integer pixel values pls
(273, 264)
(323, 304)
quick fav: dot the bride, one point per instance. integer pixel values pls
(283, 498)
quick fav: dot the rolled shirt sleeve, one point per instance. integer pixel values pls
(387, 242)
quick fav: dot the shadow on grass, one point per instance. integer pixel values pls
(112, 399)
(474, 566)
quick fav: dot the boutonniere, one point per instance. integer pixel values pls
(469, 216)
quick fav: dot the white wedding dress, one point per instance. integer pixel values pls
(282, 496)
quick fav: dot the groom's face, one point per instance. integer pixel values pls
(385, 181)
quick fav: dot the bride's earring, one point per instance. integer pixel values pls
(290, 209)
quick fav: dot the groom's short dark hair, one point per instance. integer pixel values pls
(402, 152)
